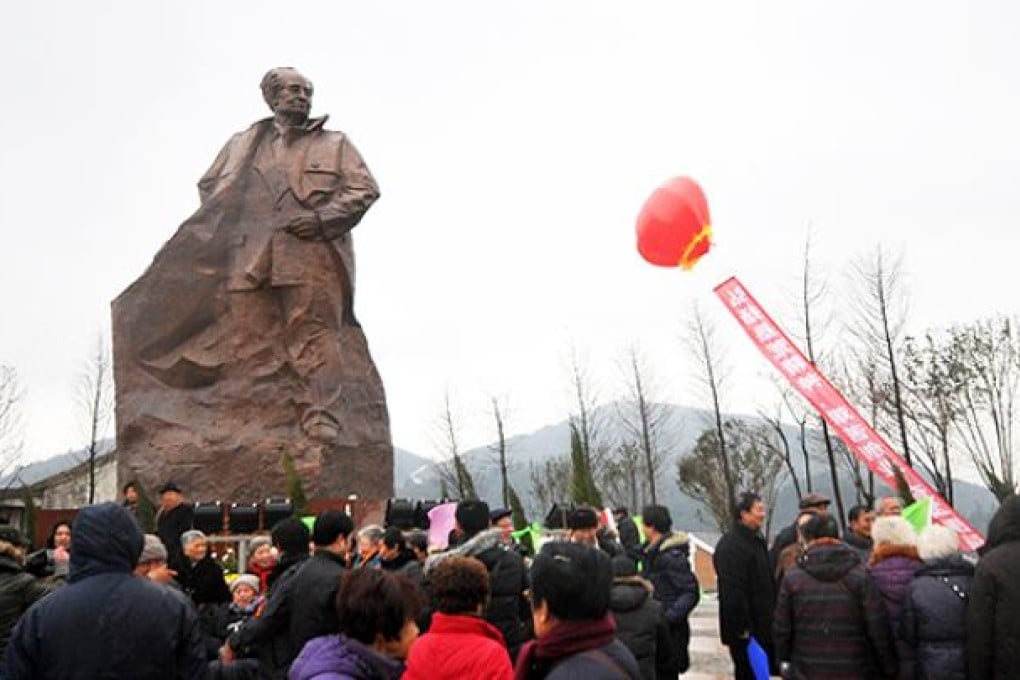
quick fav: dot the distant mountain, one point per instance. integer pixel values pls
(973, 501)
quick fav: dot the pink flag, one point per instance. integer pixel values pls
(441, 521)
(856, 433)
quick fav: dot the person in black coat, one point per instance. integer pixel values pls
(200, 577)
(993, 613)
(640, 621)
(787, 536)
(107, 623)
(267, 636)
(303, 602)
(18, 589)
(746, 588)
(934, 618)
(667, 565)
(173, 518)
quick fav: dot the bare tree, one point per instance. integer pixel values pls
(11, 436)
(813, 293)
(758, 466)
(550, 482)
(453, 472)
(95, 400)
(501, 449)
(932, 388)
(586, 425)
(985, 360)
(621, 481)
(645, 419)
(781, 443)
(881, 311)
(706, 347)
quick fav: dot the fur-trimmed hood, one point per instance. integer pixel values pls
(12, 552)
(473, 547)
(674, 540)
(883, 551)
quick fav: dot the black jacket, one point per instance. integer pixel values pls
(862, 545)
(268, 636)
(746, 588)
(203, 582)
(313, 597)
(934, 618)
(18, 591)
(406, 563)
(107, 623)
(667, 565)
(993, 613)
(641, 624)
(169, 527)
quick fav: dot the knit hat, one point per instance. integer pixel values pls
(153, 550)
(11, 535)
(250, 580)
(257, 542)
(472, 516)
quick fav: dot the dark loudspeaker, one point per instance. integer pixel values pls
(421, 512)
(243, 518)
(400, 513)
(557, 516)
(274, 510)
(209, 517)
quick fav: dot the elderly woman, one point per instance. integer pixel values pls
(894, 562)
(370, 544)
(934, 620)
(376, 610)
(261, 560)
(570, 586)
(200, 577)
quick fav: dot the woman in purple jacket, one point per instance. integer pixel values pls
(376, 610)
(893, 564)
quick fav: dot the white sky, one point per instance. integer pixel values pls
(514, 144)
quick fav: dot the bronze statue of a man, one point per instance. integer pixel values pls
(248, 310)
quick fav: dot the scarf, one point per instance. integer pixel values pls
(566, 639)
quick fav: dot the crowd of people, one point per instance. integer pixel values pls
(880, 600)
(102, 599)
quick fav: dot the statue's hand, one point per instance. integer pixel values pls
(306, 225)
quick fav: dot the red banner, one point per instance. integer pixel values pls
(859, 436)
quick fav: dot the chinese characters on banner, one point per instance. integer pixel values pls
(865, 443)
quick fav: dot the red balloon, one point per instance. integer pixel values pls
(674, 228)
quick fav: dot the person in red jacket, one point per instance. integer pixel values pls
(460, 643)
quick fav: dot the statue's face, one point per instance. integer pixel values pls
(294, 97)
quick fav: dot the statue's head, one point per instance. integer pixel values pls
(287, 92)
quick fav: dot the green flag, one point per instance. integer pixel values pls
(918, 513)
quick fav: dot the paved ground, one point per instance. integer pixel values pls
(710, 660)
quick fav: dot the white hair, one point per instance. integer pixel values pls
(372, 532)
(190, 536)
(893, 530)
(936, 542)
